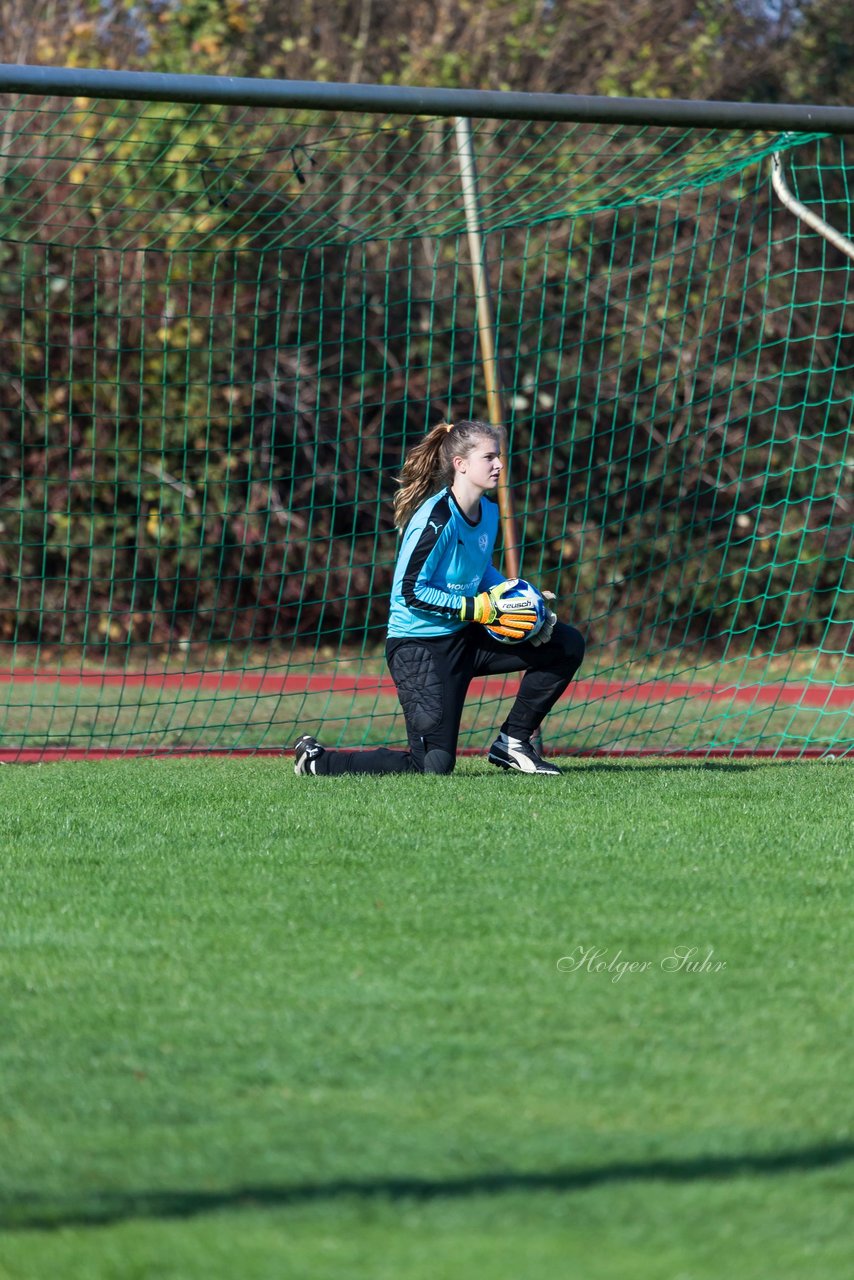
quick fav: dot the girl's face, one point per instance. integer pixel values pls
(482, 466)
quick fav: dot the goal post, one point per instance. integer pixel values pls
(227, 307)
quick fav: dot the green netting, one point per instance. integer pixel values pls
(221, 327)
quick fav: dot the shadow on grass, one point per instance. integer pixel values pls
(713, 765)
(570, 765)
(25, 1212)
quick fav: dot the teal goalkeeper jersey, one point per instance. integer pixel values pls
(443, 558)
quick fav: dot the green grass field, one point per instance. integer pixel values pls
(255, 1026)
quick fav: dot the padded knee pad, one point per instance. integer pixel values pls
(436, 760)
(419, 687)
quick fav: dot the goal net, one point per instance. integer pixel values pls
(221, 327)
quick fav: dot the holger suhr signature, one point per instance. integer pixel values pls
(679, 959)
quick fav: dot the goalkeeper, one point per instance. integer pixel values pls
(445, 593)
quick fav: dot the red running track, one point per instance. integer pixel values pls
(39, 755)
(268, 683)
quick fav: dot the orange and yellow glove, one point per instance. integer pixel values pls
(510, 618)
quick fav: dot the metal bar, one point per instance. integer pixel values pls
(411, 100)
(806, 215)
(486, 338)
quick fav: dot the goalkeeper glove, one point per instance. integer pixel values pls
(544, 634)
(487, 609)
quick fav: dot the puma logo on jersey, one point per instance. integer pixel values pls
(438, 527)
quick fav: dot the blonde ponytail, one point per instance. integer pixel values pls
(430, 465)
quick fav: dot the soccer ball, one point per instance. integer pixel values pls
(523, 598)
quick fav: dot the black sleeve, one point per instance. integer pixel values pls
(416, 593)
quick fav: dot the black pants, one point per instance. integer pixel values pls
(432, 676)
